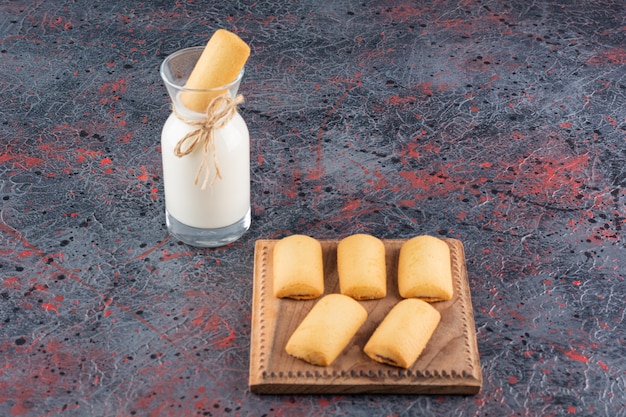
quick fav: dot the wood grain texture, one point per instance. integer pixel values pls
(450, 364)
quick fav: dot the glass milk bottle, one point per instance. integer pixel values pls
(206, 163)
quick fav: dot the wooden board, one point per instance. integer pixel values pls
(450, 363)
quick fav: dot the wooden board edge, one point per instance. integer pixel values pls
(257, 329)
(470, 325)
(469, 386)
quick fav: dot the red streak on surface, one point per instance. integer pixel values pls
(426, 184)
(144, 174)
(380, 183)
(323, 402)
(572, 354)
(116, 87)
(412, 151)
(518, 317)
(553, 176)
(24, 254)
(293, 192)
(50, 307)
(351, 205)
(212, 324)
(19, 410)
(402, 100)
(166, 256)
(24, 161)
(611, 56)
(126, 137)
(226, 341)
(10, 280)
(611, 120)
(426, 88)
(199, 318)
(84, 154)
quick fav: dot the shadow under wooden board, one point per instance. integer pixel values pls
(449, 364)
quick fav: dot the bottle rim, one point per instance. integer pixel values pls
(197, 50)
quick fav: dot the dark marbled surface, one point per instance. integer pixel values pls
(498, 123)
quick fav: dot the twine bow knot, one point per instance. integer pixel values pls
(219, 112)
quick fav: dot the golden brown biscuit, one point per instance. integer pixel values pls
(221, 61)
(327, 329)
(298, 268)
(424, 269)
(361, 267)
(403, 334)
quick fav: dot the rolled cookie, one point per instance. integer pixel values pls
(298, 268)
(326, 330)
(403, 334)
(361, 267)
(424, 269)
(221, 61)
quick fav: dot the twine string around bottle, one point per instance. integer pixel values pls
(219, 112)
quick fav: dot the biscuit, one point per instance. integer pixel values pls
(424, 269)
(298, 268)
(326, 330)
(403, 334)
(220, 63)
(361, 267)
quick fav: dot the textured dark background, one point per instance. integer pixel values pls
(500, 123)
